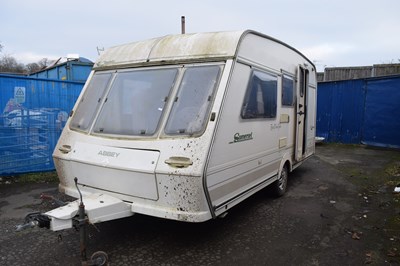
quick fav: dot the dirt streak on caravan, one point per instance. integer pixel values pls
(186, 126)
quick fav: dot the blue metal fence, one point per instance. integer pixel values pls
(360, 111)
(34, 112)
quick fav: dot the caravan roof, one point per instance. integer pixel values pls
(172, 48)
(181, 48)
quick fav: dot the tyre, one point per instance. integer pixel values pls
(99, 258)
(279, 186)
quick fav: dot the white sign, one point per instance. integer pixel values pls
(19, 94)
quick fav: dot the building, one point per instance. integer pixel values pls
(346, 73)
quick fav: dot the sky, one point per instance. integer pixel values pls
(331, 33)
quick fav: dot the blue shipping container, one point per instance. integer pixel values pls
(34, 112)
(78, 70)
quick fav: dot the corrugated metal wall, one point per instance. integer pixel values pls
(382, 113)
(33, 112)
(340, 111)
(360, 111)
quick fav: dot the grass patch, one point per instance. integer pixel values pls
(374, 171)
(393, 170)
(39, 177)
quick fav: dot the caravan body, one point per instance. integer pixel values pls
(186, 126)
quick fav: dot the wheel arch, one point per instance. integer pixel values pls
(286, 160)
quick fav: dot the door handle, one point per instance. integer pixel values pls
(178, 161)
(301, 113)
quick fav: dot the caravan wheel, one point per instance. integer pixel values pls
(99, 258)
(280, 185)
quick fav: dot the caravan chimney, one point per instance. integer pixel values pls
(183, 24)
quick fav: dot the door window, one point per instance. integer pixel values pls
(288, 91)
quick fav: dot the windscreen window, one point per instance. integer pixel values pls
(90, 102)
(136, 102)
(192, 103)
(261, 96)
(163, 101)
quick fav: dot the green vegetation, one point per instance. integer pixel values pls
(39, 177)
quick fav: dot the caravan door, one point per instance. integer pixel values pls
(301, 110)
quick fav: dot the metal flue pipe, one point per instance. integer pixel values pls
(183, 24)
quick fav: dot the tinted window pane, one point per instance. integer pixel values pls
(260, 100)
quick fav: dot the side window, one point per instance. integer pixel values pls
(288, 90)
(261, 96)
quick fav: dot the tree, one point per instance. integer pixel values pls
(10, 64)
(33, 67)
(37, 66)
(43, 63)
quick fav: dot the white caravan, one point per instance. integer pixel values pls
(184, 127)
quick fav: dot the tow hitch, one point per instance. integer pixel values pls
(99, 257)
(37, 218)
(69, 215)
(34, 219)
